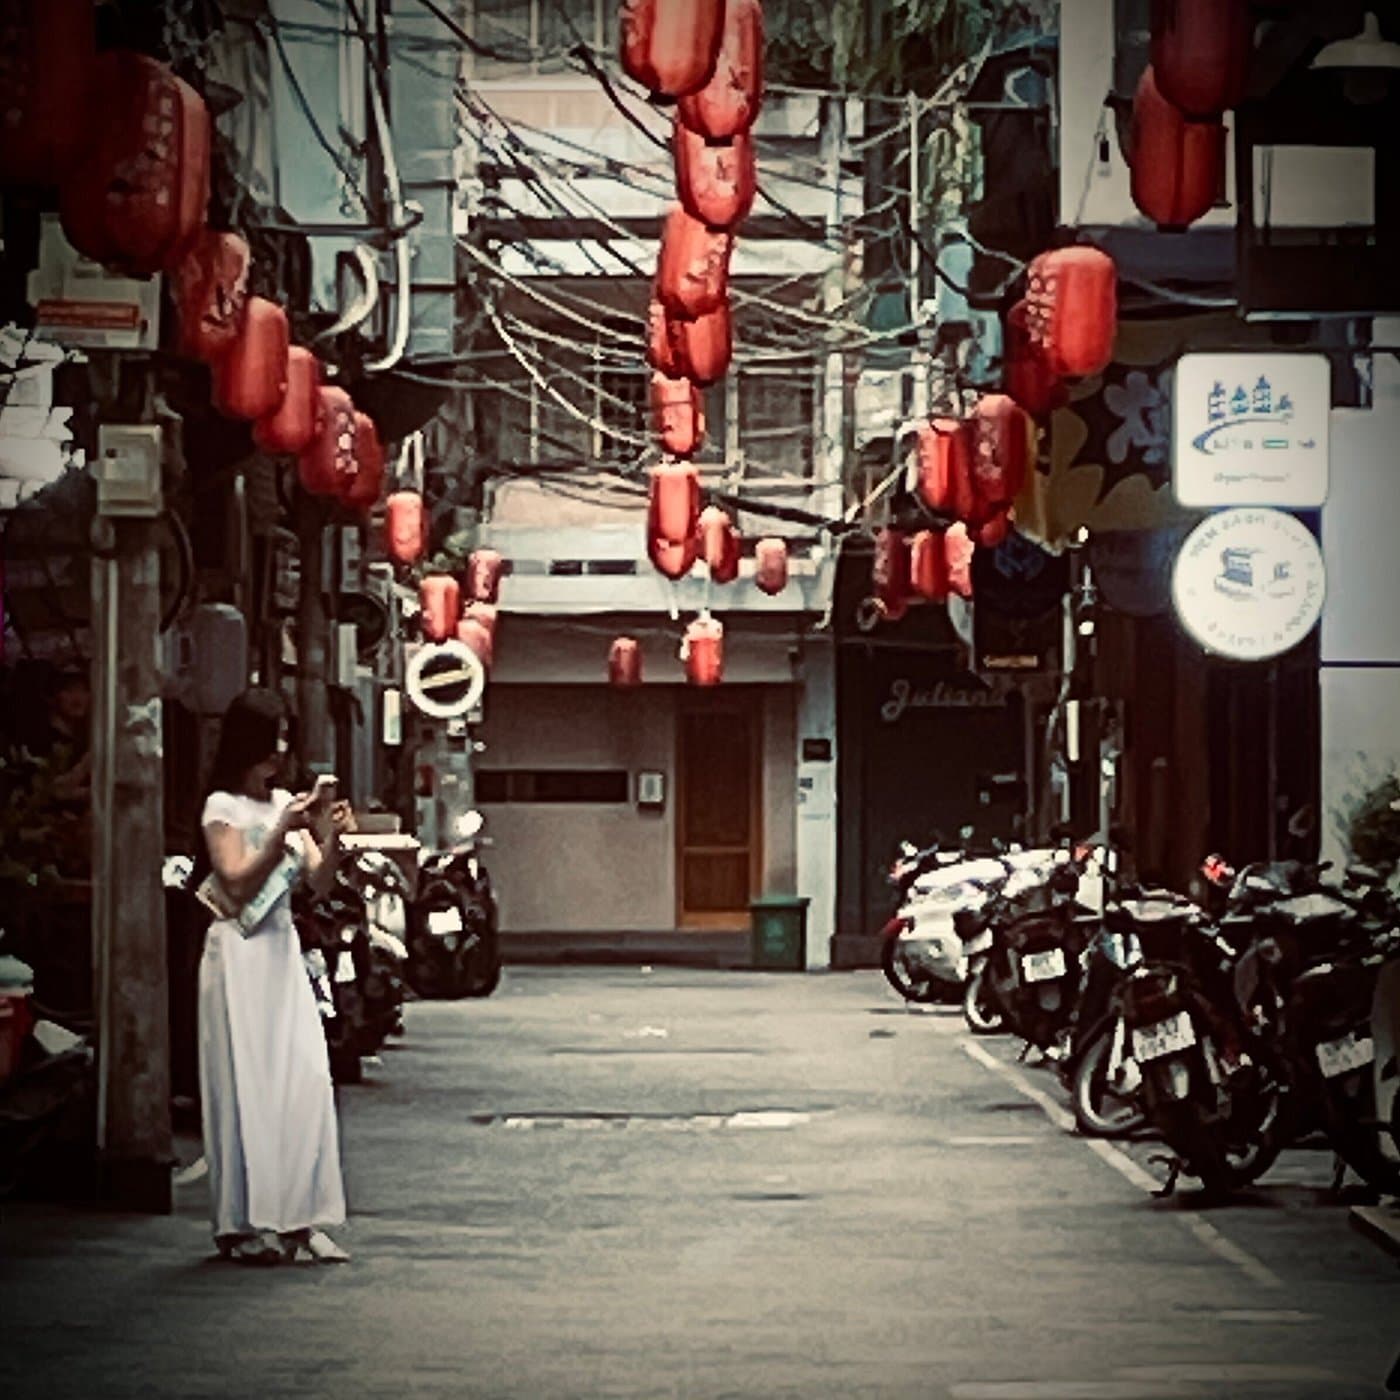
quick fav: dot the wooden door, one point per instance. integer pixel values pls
(718, 809)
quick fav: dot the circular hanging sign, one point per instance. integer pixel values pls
(1249, 584)
(446, 680)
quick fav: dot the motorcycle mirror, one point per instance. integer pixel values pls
(967, 832)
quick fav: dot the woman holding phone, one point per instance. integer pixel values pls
(270, 1135)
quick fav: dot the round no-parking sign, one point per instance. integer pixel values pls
(445, 681)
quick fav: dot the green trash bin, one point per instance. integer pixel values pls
(779, 932)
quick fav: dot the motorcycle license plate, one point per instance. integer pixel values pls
(1351, 1052)
(444, 921)
(1043, 967)
(1166, 1037)
(345, 966)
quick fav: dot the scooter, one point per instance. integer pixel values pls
(453, 943)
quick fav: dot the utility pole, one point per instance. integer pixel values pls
(130, 999)
(313, 640)
(831, 455)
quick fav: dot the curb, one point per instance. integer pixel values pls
(1381, 1224)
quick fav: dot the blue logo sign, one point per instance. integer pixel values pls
(1247, 419)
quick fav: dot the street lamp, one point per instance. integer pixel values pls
(1368, 63)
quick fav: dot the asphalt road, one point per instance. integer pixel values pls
(628, 1183)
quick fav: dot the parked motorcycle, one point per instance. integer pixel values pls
(453, 943)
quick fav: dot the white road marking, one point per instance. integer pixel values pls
(1266, 1315)
(1212, 1373)
(992, 1141)
(1253, 1269)
(1067, 1390)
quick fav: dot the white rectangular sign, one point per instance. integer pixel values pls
(1251, 429)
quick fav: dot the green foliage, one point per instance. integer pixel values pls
(42, 839)
(1373, 825)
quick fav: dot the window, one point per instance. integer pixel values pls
(553, 785)
(622, 407)
(777, 420)
(546, 29)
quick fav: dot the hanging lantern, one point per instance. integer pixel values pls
(1178, 165)
(1073, 318)
(992, 532)
(692, 273)
(404, 526)
(771, 566)
(705, 345)
(663, 342)
(362, 489)
(673, 558)
(943, 459)
(625, 663)
(441, 602)
(140, 191)
(293, 425)
(703, 651)
(1026, 375)
(1002, 440)
(727, 106)
(329, 460)
(673, 514)
(250, 378)
(47, 52)
(716, 184)
(680, 415)
(479, 638)
(890, 571)
(485, 568)
(928, 568)
(211, 294)
(958, 549)
(1201, 51)
(719, 544)
(670, 46)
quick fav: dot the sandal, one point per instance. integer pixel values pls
(248, 1249)
(312, 1246)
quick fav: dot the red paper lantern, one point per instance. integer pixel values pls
(478, 640)
(625, 663)
(1026, 375)
(890, 570)
(673, 515)
(1073, 316)
(485, 569)
(329, 460)
(1002, 437)
(404, 526)
(1178, 165)
(441, 600)
(928, 568)
(673, 558)
(362, 489)
(1201, 51)
(703, 651)
(663, 342)
(679, 413)
(670, 46)
(211, 294)
(250, 378)
(47, 52)
(943, 459)
(771, 566)
(692, 273)
(719, 544)
(727, 106)
(958, 549)
(992, 532)
(716, 184)
(705, 345)
(140, 191)
(293, 425)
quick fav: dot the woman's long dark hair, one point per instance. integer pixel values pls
(248, 735)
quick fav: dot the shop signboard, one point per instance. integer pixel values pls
(1251, 430)
(1249, 584)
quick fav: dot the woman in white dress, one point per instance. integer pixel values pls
(270, 1135)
